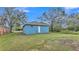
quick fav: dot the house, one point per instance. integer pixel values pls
(35, 27)
(3, 30)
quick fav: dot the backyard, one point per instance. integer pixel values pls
(54, 41)
(18, 29)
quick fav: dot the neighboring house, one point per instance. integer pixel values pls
(3, 30)
(35, 27)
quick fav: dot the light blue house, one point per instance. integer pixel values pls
(35, 27)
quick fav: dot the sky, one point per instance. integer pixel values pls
(34, 12)
(72, 10)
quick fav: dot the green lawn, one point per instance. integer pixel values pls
(39, 42)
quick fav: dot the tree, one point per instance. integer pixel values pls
(57, 26)
(9, 14)
(2, 21)
(21, 16)
(14, 16)
(73, 22)
(55, 13)
(21, 19)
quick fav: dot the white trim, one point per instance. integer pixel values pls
(38, 29)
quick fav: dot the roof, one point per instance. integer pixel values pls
(37, 23)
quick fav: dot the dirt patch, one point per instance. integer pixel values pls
(74, 44)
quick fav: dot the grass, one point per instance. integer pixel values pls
(37, 42)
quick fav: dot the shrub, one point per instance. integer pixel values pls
(66, 31)
(69, 32)
(57, 27)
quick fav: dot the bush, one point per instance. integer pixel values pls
(77, 28)
(70, 28)
(73, 28)
(66, 31)
(69, 32)
(57, 27)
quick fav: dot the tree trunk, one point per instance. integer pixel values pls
(10, 29)
(51, 27)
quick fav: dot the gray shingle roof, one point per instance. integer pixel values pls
(37, 23)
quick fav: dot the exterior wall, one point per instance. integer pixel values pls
(44, 29)
(3, 30)
(35, 29)
(30, 29)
